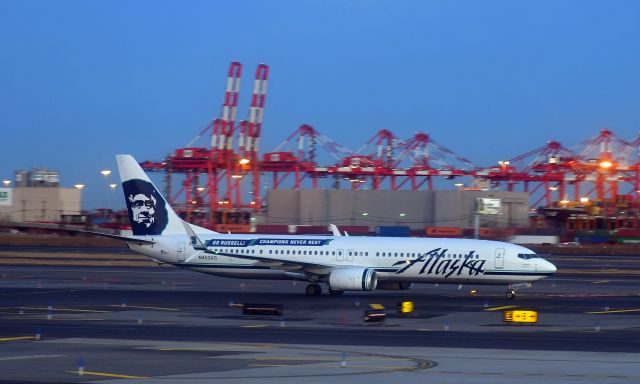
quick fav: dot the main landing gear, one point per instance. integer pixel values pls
(314, 290)
(511, 294)
(335, 292)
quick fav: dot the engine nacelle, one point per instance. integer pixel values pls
(353, 279)
(394, 285)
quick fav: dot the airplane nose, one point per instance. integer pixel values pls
(550, 267)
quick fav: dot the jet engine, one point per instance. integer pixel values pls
(353, 279)
(394, 285)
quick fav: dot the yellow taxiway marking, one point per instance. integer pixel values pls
(253, 326)
(66, 309)
(142, 307)
(376, 306)
(103, 374)
(600, 282)
(499, 308)
(614, 311)
(17, 338)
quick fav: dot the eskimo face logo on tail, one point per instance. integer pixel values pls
(147, 210)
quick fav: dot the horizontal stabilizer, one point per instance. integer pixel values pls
(116, 237)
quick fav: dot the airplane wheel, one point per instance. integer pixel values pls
(313, 290)
(511, 294)
(335, 292)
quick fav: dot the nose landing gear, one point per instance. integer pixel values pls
(511, 294)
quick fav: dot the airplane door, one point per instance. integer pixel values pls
(349, 256)
(499, 258)
(180, 251)
(339, 256)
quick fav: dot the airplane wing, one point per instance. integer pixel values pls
(267, 261)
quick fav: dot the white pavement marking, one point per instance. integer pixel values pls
(26, 357)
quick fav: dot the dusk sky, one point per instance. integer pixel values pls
(82, 81)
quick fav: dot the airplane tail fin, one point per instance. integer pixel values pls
(149, 212)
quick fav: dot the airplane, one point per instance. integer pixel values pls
(342, 262)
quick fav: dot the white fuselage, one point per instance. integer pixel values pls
(411, 260)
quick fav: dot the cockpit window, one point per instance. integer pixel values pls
(527, 256)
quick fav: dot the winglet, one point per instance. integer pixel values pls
(196, 243)
(335, 230)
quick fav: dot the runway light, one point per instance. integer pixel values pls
(365, 214)
(6, 182)
(236, 176)
(105, 172)
(584, 199)
(113, 186)
(403, 214)
(243, 161)
(200, 189)
(79, 186)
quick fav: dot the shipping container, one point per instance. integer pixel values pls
(533, 239)
(628, 232)
(272, 229)
(312, 229)
(393, 231)
(354, 229)
(444, 231)
(233, 228)
(628, 240)
(496, 233)
(593, 239)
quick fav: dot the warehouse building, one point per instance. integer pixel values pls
(38, 204)
(415, 209)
